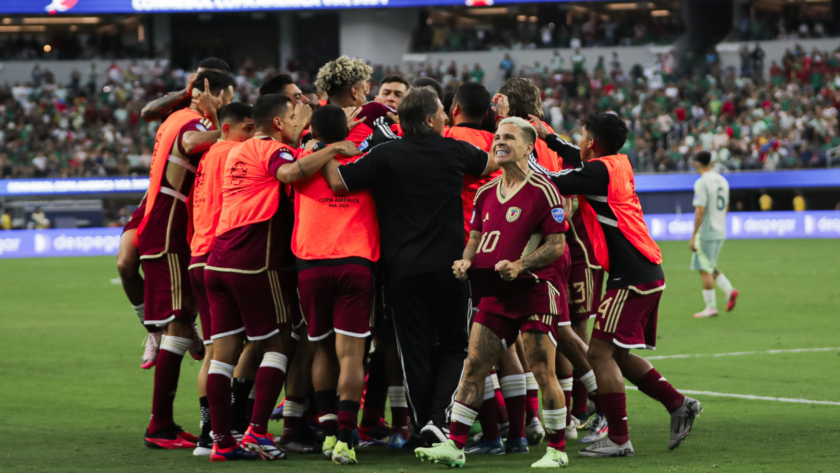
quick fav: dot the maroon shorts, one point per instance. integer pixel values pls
(136, 217)
(627, 316)
(585, 286)
(199, 290)
(562, 268)
(508, 329)
(167, 289)
(337, 299)
(289, 280)
(253, 303)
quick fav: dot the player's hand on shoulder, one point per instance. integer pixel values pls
(502, 105)
(460, 269)
(346, 148)
(509, 271)
(303, 113)
(393, 116)
(351, 113)
(191, 83)
(538, 124)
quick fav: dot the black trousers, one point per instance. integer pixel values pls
(430, 315)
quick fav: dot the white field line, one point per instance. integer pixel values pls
(741, 353)
(751, 397)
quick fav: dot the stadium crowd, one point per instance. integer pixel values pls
(786, 118)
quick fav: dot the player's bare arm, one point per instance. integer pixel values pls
(302, 115)
(549, 251)
(462, 265)
(157, 109)
(699, 213)
(308, 165)
(199, 141)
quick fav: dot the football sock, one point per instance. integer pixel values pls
(709, 298)
(348, 415)
(463, 417)
(656, 386)
(724, 284)
(588, 380)
(579, 397)
(167, 371)
(249, 404)
(487, 412)
(218, 394)
(269, 383)
(292, 417)
(399, 410)
(615, 410)
(240, 390)
(376, 387)
(206, 426)
(501, 407)
(566, 383)
(140, 310)
(555, 427)
(532, 396)
(513, 388)
(327, 411)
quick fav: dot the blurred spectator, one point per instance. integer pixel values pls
(39, 220)
(6, 220)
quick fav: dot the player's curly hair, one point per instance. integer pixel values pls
(341, 74)
(524, 98)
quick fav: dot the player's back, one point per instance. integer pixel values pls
(481, 139)
(712, 191)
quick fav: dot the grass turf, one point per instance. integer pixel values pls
(72, 396)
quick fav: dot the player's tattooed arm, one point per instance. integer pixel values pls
(543, 256)
(461, 266)
(157, 109)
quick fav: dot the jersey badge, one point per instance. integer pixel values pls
(558, 214)
(513, 213)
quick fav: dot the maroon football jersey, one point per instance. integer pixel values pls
(580, 246)
(514, 227)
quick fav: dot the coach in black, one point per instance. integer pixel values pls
(416, 183)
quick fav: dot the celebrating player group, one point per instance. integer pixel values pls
(442, 252)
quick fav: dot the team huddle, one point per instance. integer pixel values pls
(443, 252)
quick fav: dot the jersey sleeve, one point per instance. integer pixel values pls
(700, 196)
(553, 216)
(278, 158)
(197, 124)
(361, 173)
(476, 158)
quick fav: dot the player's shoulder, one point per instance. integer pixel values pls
(542, 186)
(491, 184)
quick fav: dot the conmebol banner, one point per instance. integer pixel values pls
(70, 7)
(751, 225)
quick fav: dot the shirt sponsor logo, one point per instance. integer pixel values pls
(558, 214)
(513, 213)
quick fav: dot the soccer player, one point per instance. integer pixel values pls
(128, 256)
(421, 233)
(517, 233)
(336, 241)
(711, 203)
(311, 94)
(284, 84)
(241, 275)
(206, 200)
(392, 91)
(628, 313)
(521, 98)
(165, 250)
(346, 81)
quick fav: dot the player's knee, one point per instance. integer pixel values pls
(541, 374)
(597, 356)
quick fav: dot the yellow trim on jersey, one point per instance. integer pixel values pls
(549, 188)
(489, 185)
(503, 200)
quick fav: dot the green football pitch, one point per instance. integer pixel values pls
(73, 397)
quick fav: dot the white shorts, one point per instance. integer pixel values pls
(706, 256)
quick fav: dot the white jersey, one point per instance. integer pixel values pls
(712, 192)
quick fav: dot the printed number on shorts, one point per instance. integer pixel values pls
(605, 307)
(580, 288)
(488, 241)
